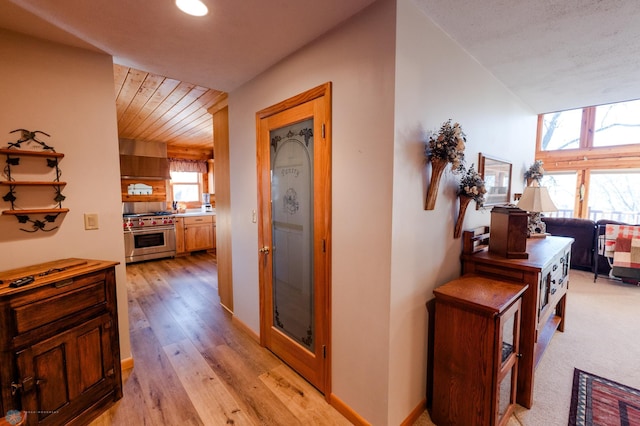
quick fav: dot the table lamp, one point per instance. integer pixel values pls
(535, 199)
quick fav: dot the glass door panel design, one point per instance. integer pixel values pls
(292, 231)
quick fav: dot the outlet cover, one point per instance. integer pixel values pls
(90, 221)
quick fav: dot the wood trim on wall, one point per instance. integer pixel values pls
(347, 411)
(220, 112)
(126, 363)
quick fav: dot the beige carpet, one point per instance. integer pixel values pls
(602, 336)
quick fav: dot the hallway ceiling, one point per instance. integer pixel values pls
(553, 54)
(187, 61)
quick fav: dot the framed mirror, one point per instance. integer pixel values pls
(497, 180)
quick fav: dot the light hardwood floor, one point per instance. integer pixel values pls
(194, 366)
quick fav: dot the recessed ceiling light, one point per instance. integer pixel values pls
(192, 7)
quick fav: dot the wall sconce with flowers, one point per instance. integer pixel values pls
(446, 146)
(471, 187)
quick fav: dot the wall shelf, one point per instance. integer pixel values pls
(28, 153)
(31, 183)
(34, 211)
(13, 154)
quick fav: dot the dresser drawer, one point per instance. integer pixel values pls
(56, 301)
(196, 220)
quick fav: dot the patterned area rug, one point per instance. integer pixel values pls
(598, 401)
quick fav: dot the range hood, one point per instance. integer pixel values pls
(143, 160)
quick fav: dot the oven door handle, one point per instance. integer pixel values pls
(148, 230)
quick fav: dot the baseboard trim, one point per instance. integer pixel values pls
(226, 309)
(126, 364)
(415, 414)
(347, 411)
(244, 327)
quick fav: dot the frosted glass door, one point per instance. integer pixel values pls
(292, 231)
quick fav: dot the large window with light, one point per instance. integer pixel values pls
(617, 124)
(562, 190)
(561, 130)
(591, 158)
(615, 195)
(186, 187)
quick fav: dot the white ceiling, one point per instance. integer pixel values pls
(553, 54)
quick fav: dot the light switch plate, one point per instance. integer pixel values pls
(90, 221)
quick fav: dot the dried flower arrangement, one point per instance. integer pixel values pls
(447, 144)
(472, 185)
(535, 171)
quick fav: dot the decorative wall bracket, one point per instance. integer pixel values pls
(14, 152)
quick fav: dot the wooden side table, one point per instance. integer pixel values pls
(477, 327)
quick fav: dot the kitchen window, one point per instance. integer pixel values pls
(186, 187)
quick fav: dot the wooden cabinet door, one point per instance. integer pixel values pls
(507, 355)
(60, 374)
(179, 222)
(199, 237)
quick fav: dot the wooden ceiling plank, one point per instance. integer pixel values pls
(159, 115)
(130, 87)
(197, 131)
(177, 112)
(148, 88)
(184, 123)
(160, 95)
(119, 75)
(198, 107)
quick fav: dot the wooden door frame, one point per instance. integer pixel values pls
(321, 187)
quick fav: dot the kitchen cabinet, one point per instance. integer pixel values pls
(194, 233)
(198, 233)
(477, 327)
(179, 222)
(59, 343)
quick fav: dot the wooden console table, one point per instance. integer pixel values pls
(546, 272)
(59, 347)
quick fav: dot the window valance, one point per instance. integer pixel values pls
(180, 165)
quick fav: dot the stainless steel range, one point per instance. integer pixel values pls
(149, 236)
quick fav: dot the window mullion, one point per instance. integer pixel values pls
(588, 124)
(582, 194)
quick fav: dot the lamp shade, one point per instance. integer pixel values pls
(536, 199)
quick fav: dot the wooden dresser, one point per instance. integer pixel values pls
(546, 272)
(59, 347)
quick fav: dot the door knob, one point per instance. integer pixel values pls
(264, 250)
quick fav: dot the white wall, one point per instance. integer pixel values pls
(358, 58)
(69, 94)
(437, 80)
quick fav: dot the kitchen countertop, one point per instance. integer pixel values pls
(195, 213)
